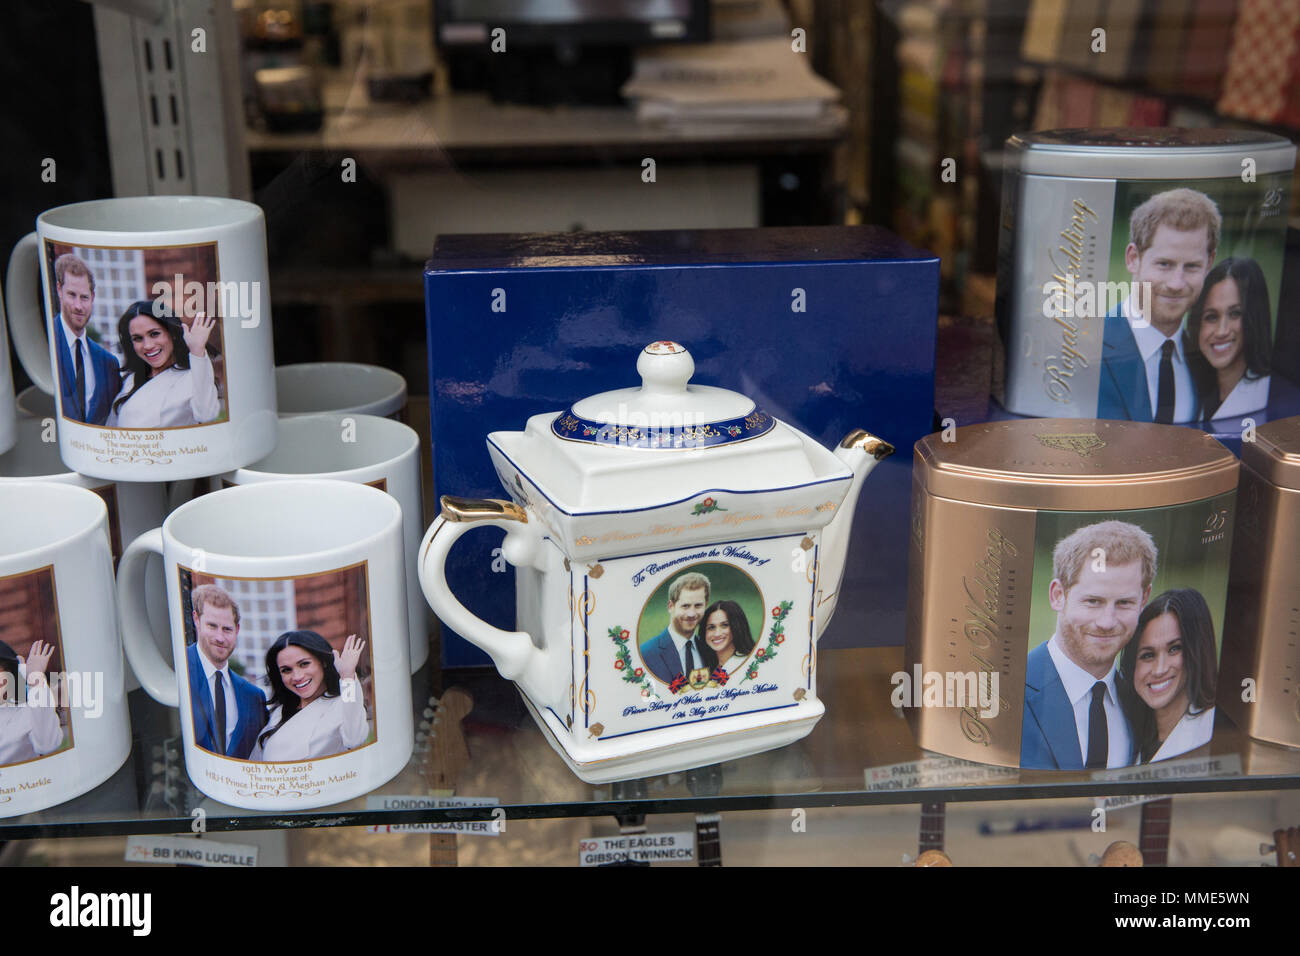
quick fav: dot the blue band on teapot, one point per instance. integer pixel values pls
(676, 436)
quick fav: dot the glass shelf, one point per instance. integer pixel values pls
(511, 762)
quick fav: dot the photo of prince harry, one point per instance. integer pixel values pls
(1145, 371)
(1073, 720)
(89, 374)
(672, 651)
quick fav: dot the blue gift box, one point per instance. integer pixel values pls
(826, 328)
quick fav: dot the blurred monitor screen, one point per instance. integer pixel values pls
(546, 21)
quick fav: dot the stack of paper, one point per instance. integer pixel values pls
(733, 81)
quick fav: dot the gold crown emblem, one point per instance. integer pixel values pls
(1082, 444)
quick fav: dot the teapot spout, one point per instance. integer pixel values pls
(861, 451)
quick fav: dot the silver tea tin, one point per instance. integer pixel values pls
(1066, 201)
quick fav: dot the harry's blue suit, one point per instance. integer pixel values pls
(660, 655)
(250, 701)
(108, 379)
(1049, 740)
(1123, 392)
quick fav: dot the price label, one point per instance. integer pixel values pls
(188, 851)
(492, 827)
(640, 847)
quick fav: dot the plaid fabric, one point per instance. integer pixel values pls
(1205, 60)
(1291, 111)
(1263, 59)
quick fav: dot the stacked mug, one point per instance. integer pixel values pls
(274, 616)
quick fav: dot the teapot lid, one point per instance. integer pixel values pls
(664, 442)
(665, 413)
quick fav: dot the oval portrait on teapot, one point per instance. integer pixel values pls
(700, 626)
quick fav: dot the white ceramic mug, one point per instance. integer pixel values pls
(63, 719)
(311, 387)
(33, 403)
(370, 451)
(133, 506)
(180, 383)
(8, 404)
(249, 571)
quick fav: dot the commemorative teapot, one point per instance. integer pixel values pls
(678, 552)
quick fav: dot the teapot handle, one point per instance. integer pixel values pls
(513, 652)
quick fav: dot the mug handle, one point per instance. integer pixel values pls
(26, 314)
(155, 676)
(513, 652)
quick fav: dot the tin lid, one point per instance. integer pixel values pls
(1075, 464)
(1275, 453)
(1154, 153)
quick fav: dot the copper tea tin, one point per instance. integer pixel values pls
(990, 501)
(1259, 684)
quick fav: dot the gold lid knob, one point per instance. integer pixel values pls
(933, 858)
(1121, 853)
